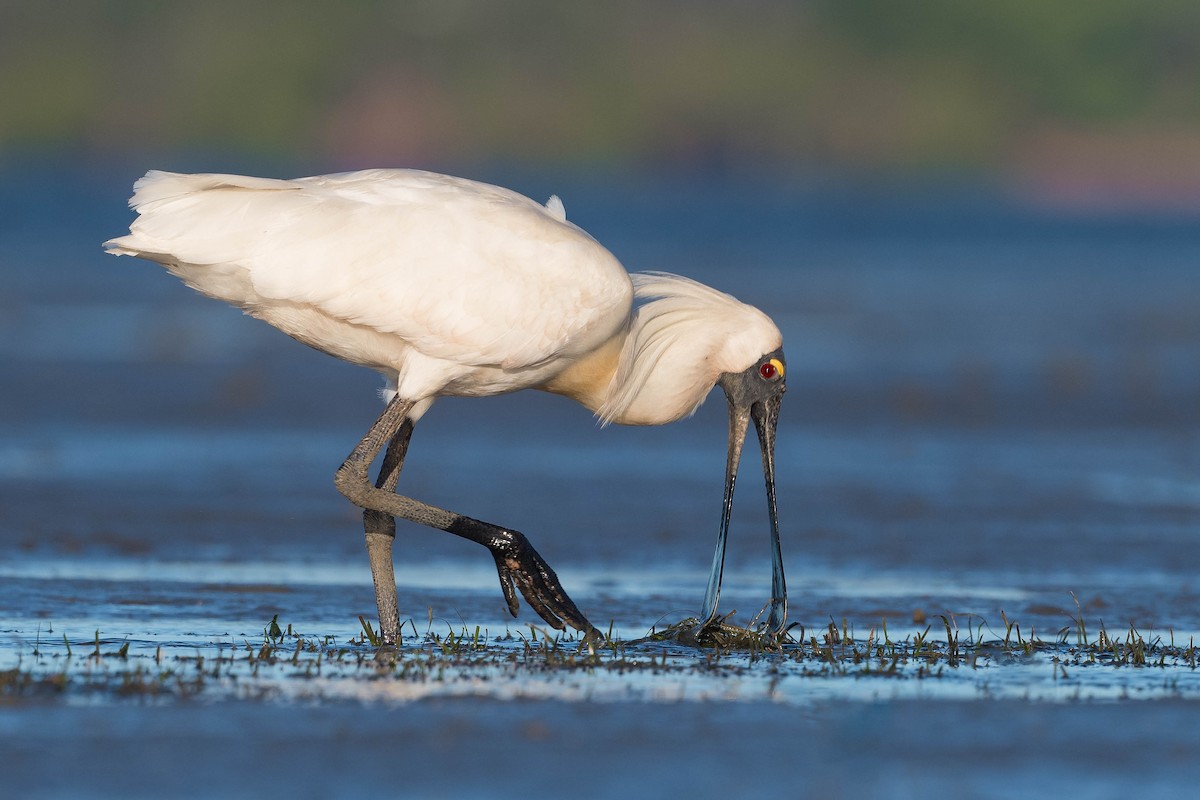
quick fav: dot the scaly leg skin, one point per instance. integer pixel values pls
(380, 530)
(518, 564)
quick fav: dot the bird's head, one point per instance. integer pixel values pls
(754, 393)
(686, 339)
(757, 392)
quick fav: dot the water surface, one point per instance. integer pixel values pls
(993, 409)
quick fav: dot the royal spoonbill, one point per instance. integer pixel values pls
(450, 287)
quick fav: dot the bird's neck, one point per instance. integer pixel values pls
(620, 382)
(587, 380)
(672, 350)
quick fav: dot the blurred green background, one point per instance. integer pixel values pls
(1084, 101)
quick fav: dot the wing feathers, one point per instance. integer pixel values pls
(461, 271)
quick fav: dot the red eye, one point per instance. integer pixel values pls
(767, 370)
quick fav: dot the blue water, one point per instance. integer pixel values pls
(992, 404)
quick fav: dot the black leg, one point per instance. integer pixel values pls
(518, 564)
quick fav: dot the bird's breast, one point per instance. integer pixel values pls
(586, 380)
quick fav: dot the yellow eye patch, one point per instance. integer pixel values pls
(771, 369)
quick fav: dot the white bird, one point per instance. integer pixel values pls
(449, 287)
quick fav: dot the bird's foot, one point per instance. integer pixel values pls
(521, 568)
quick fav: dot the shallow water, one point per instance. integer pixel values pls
(993, 410)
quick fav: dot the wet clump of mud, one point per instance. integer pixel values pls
(719, 634)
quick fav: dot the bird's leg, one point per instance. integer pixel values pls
(519, 565)
(393, 426)
(380, 532)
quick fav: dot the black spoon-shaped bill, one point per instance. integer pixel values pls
(755, 394)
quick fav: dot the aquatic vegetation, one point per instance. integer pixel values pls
(287, 664)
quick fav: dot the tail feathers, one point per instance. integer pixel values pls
(157, 185)
(122, 246)
(180, 221)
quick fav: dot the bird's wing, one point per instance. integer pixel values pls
(462, 271)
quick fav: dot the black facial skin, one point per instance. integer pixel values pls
(746, 388)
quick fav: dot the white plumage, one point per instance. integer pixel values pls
(451, 287)
(447, 287)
